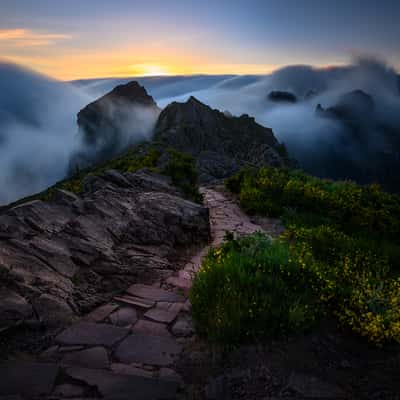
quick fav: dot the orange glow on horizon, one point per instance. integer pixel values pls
(80, 67)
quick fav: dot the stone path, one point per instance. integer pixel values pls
(125, 349)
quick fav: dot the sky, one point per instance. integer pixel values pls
(78, 39)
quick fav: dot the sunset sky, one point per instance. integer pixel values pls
(102, 38)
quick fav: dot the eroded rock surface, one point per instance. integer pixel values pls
(60, 258)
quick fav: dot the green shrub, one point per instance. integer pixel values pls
(353, 278)
(343, 236)
(249, 289)
(181, 168)
(354, 208)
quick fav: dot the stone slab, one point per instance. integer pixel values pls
(101, 313)
(135, 301)
(154, 294)
(150, 328)
(95, 357)
(125, 369)
(89, 333)
(146, 349)
(183, 327)
(161, 315)
(124, 316)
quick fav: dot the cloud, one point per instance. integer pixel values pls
(28, 38)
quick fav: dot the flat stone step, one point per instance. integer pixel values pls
(135, 301)
(95, 357)
(145, 327)
(161, 315)
(147, 349)
(124, 316)
(125, 387)
(154, 294)
(101, 313)
(90, 333)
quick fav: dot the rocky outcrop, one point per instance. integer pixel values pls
(220, 143)
(60, 258)
(110, 124)
(353, 107)
(282, 97)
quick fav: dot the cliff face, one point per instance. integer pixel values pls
(220, 143)
(115, 121)
(60, 258)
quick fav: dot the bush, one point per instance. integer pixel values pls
(352, 278)
(249, 289)
(181, 168)
(344, 238)
(270, 191)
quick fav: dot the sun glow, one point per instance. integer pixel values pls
(149, 70)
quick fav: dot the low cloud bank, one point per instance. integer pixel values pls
(39, 135)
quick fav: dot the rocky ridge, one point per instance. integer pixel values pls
(113, 122)
(220, 143)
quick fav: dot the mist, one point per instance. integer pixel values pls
(40, 140)
(39, 136)
(361, 149)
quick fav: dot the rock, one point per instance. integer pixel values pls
(107, 123)
(351, 106)
(101, 313)
(183, 327)
(125, 369)
(154, 294)
(150, 328)
(68, 390)
(146, 349)
(13, 308)
(121, 387)
(65, 260)
(30, 379)
(88, 333)
(135, 301)
(52, 310)
(95, 357)
(161, 315)
(313, 388)
(282, 97)
(221, 144)
(125, 316)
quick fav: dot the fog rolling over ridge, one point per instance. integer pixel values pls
(37, 130)
(355, 133)
(347, 141)
(39, 133)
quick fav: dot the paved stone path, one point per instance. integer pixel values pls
(125, 349)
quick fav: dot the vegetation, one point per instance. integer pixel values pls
(180, 167)
(250, 288)
(342, 243)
